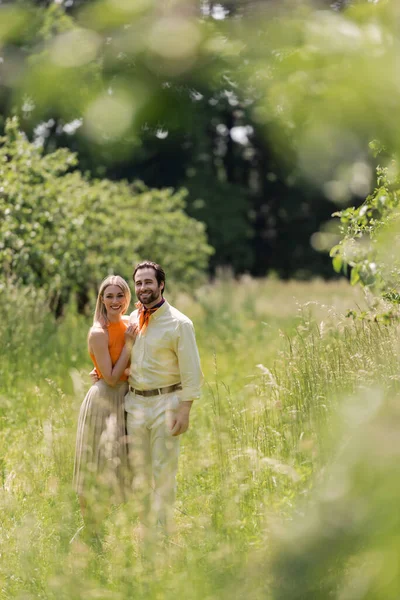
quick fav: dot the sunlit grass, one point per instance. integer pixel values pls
(278, 359)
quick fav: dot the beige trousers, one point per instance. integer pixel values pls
(153, 455)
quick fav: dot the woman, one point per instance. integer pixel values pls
(101, 464)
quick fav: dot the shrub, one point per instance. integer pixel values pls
(370, 243)
(63, 232)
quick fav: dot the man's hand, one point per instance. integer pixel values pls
(94, 376)
(180, 423)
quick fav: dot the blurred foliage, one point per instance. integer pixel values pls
(345, 545)
(264, 114)
(265, 107)
(326, 85)
(369, 247)
(62, 232)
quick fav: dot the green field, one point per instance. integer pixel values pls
(288, 475)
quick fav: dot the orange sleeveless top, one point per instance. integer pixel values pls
(116, 342)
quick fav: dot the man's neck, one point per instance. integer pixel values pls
(154, 304)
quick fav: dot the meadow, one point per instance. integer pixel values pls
(288, 476)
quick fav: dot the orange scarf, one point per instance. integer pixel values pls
(145, 314)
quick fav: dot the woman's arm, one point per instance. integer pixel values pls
(98, 342)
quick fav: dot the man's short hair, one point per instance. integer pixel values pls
(148, 264)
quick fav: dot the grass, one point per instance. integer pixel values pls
(281, 365)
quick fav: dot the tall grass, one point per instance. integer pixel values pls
(280, 362)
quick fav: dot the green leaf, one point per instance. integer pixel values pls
(337, 263)
(354, 276)
(334, 250)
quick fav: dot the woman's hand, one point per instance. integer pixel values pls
(131, 334)
(94, 376)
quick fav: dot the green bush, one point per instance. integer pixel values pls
(62, 232)
(370, 242)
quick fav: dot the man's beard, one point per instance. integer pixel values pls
(148, 299)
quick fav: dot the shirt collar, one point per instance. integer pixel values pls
(156, 306)
(160, 311)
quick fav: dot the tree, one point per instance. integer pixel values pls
(262, 111)
(63, 232)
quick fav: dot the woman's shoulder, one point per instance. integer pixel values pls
(97, 331)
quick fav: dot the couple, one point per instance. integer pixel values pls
(138, 451)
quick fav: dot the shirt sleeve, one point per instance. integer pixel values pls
(189, 362)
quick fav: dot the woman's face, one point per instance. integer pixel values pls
(114, 300)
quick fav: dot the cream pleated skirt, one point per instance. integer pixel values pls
(101, 470)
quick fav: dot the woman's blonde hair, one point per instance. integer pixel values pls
(100, 313)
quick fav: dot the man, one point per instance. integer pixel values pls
(165, 378)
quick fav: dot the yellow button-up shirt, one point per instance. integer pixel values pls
(166, 353)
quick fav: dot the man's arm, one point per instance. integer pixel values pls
(191, 375)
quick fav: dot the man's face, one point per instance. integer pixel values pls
(146, 286)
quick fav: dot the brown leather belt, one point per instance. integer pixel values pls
(157, 391)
